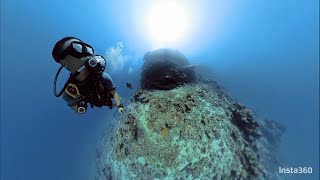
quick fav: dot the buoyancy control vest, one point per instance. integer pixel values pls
(90, 91)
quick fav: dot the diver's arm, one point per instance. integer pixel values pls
(117, 99)
(109, 85)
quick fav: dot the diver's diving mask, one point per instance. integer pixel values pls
(78, 50)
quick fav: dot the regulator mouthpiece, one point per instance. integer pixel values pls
(92, 62)
(95, 63)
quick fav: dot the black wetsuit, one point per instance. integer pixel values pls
(86, 86)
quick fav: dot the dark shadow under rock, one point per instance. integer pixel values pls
(166, 69)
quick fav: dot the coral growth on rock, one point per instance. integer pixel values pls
(192, 131)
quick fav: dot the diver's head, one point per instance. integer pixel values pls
(70, 53)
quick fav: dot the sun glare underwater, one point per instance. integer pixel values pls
(178, 24)
(169, 26)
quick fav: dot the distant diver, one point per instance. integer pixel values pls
(129, 85)
(88, 83)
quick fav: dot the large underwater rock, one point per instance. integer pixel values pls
(166, 69)
(192, 131)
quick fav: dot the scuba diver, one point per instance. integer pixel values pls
(88, 83)
(129, 85)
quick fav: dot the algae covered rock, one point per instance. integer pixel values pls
(192, 131)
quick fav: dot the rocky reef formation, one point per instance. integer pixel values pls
(192, 131)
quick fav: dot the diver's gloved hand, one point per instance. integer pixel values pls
(120, 108)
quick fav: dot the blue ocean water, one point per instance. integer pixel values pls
(265, 53)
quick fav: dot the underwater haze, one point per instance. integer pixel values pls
(264, 53)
